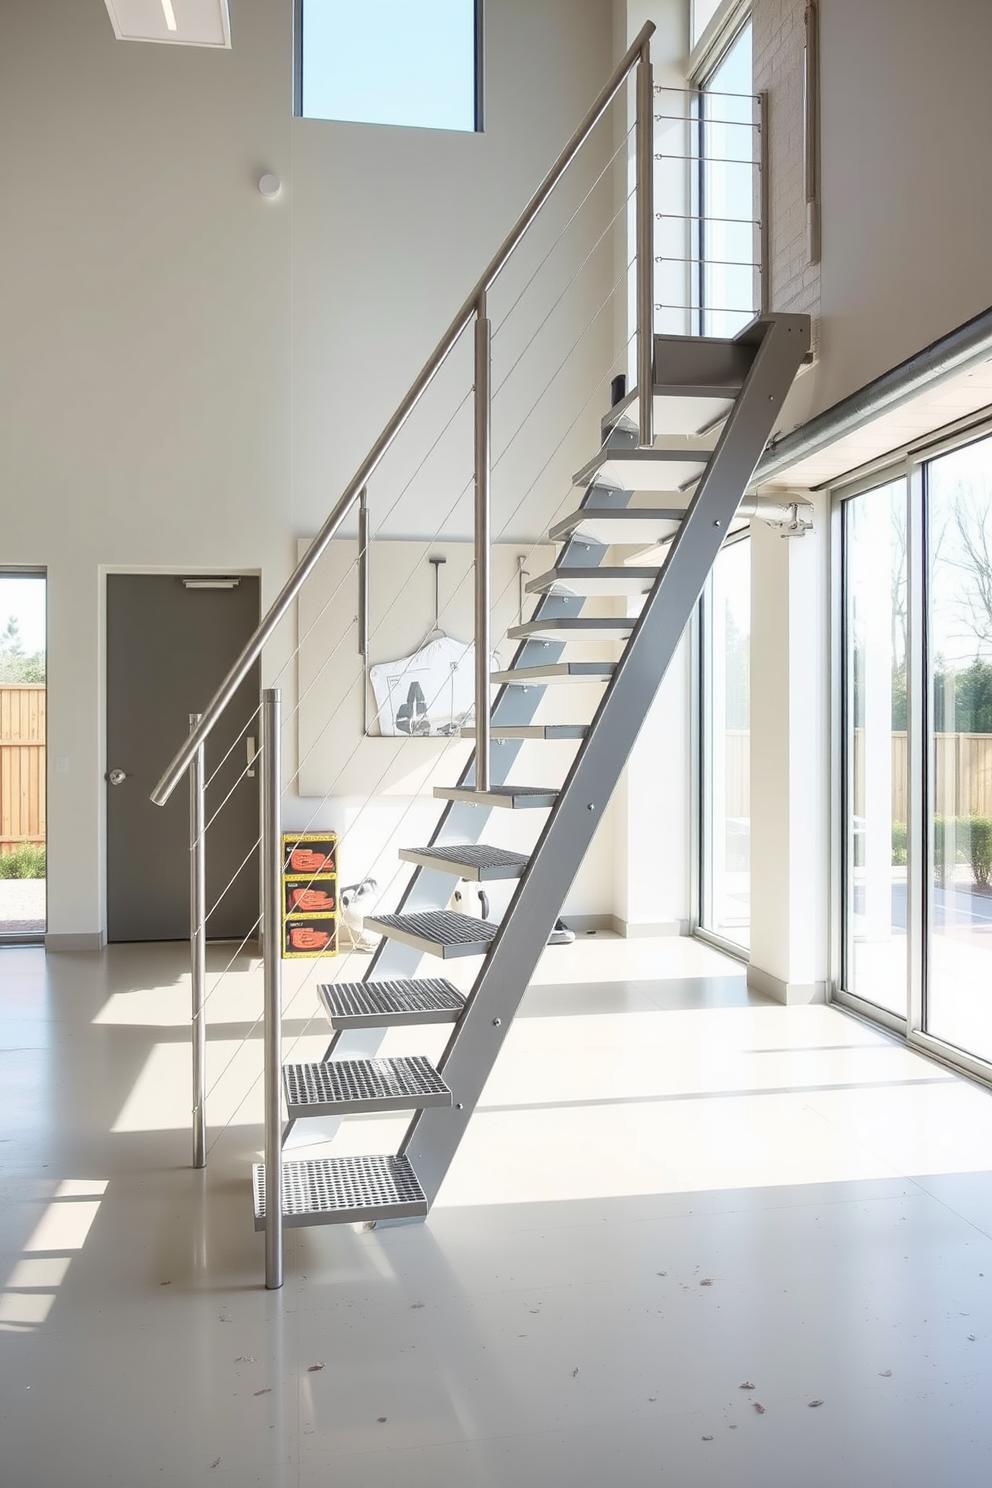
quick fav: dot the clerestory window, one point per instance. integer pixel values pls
(414, 63)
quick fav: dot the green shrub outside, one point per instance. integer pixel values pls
(981, 850)
(900, 844)
(26, 861)
(973, 844)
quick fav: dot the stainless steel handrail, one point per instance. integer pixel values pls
(636, 52)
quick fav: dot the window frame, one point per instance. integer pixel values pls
(479, 123)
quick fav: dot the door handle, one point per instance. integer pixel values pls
(116, 777)
(252, 756)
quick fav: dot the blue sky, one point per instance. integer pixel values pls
(408, 62)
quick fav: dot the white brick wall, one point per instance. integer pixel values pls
(778, 40)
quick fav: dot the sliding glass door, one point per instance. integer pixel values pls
(958, 1002)
(916, 733)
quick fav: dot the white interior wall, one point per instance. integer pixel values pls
(189, 374)
(905, 116)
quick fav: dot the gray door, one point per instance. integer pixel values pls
(168, 646)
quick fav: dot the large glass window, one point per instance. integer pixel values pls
(408, 62)
(917, 732)
(725, 838)
(23, 909)
(958, 1007)
(876, 747)
(726, 273)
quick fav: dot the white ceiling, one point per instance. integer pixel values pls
(198, 22)
(954, 398)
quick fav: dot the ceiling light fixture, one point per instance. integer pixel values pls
(170, 15)
(211, 583)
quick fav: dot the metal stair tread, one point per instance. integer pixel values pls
(679, 407)
(399, 1001)
(342, 1086)
(574, 628)
(557, 671)
(474, 861)
(436, 932)
(343, 1190)
(510, 797)
(589, 582)
(633, 469)
(502, 732)
(622, 524)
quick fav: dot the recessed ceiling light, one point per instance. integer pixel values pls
(170, 15)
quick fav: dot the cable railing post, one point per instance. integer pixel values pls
(483, 536)
(645, 246)
(764, 208)
(272, 969)
(363, 600)
(198, 943)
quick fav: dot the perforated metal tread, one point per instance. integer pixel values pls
(510, 797)
(470, 860)
(343, 1190)
(436, 932)
(594, 581)
(500, 732)
(567, 628)
(389, 1004)
(562, 671)
(342, 1087)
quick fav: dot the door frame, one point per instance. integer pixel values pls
(161, 570)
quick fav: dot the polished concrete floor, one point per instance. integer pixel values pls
(692, 1237)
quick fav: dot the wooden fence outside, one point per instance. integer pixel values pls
(962, 774)
(22, 765)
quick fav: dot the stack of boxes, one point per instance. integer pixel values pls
(309, 894)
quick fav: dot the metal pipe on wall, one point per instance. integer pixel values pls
(272, 970)
(198, 943)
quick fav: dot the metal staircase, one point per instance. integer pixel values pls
(713, 404)
(740, 383)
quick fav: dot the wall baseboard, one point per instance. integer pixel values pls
(648, 929)
(588, 924)
(793, 994)
(94, 940)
